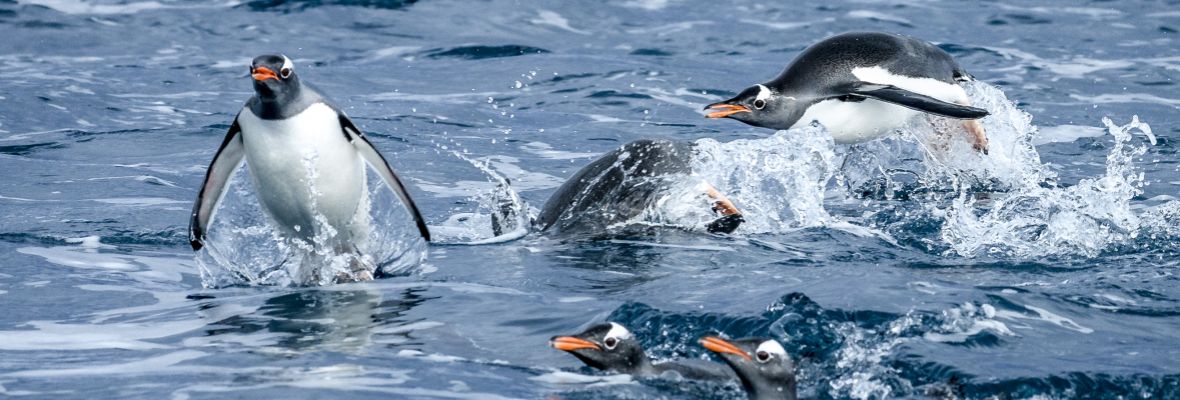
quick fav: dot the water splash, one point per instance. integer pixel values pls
(1005, 203)
(778, 182)
(500, 214)
(1036, 219)
(243, 247)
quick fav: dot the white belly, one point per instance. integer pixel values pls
(303, 167)
(855, 122)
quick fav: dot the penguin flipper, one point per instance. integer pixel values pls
(374, 158)
(917, 101)
(228, 159)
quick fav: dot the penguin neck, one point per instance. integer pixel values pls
(280, 105)
(760, 389)
(640, 365)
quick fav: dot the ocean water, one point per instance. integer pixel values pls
(905, 267)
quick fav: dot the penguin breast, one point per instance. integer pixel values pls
(304, 168)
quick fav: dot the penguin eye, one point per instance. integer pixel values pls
(762, 356)
(285, 73)
(759, 104)
(610, 343)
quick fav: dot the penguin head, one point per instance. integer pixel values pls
(759, 105)
(765, 369)
(605, 346)
(274, 78)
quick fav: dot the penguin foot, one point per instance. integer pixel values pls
(731, 217)
(979, 140)
(726, 224)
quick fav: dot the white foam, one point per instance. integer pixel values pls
(141, 201)
(48, 335)
(1046, 316)
(544, 150)
(550, 18)
(1066, 134)
(1117, 98)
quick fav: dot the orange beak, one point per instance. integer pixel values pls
(725, 110)
(263, 73)
(719, 345)
(570, 343)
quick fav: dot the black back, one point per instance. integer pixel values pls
(616, 187)
(826, 65)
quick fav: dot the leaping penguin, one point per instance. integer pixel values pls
(611, 347)
(860, 86)
(763, 366)
(307, 162)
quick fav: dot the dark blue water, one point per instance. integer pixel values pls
(1046, 270)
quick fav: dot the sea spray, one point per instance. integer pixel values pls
(1037, 220)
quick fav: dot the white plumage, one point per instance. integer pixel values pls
(854, 122)
(304, 166)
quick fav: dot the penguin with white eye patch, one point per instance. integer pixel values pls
(860, 86)
(307, 163)
(763, 366)
(611, 347)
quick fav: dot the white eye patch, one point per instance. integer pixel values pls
(763, 93)
(287, 63)
(618, 332)
(772, 347)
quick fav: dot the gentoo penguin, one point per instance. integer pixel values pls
(623, 183)
(860, 86)
(307, 163)
(611, 347)
(763, 366)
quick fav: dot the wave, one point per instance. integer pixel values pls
(867, 354)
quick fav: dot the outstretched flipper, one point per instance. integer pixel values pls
(227, 160)
(374, 158)
(920, 102)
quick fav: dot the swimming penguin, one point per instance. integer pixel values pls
(307, 163)
(611, 347)
(860, 86)
(763, 366)
(621, 184)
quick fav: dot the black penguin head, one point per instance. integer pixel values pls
(759, 105)
(607, 346)
(762, 364)
(274, 78)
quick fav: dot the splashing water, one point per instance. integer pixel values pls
(1036, 220)
(499, 216)
(1006, 202)
(243, 247)
(778, 182)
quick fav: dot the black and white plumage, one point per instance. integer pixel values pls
(859, 86)
(307, 162)
(764, 367)
(609, 346)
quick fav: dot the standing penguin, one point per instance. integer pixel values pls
(860, 86)
(307, 163)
